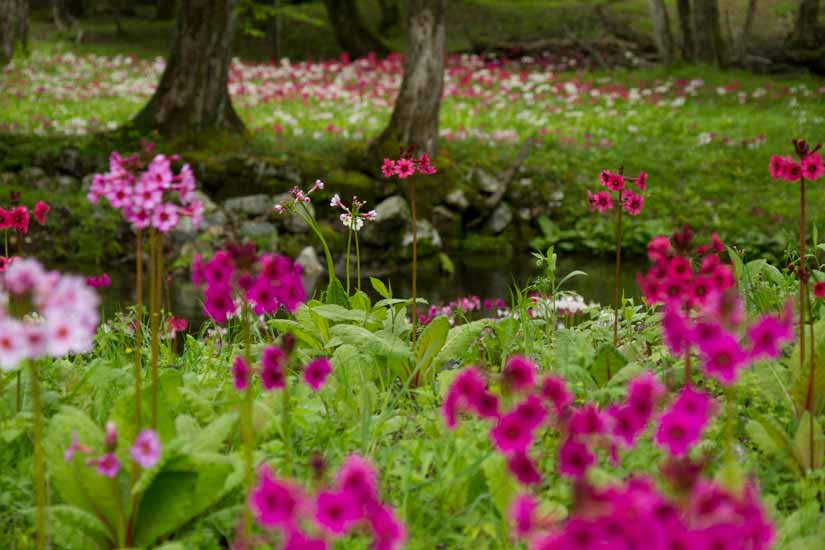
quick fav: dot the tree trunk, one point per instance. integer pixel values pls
(708, 43)
(390, 15)
(165, 10)
(192, 95)
(415, 116)
(661, 29)
(14, 28)
(351, 31)
(807, 17)
(740, 46)
(686, 27)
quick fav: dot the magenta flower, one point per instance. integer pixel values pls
(297, 540)
(523, 468)
(677, 432)
(512, 433)
(522, 513)
(519, 373)
(574, 459)
(531, 412)
(723, 356)
(274, 502)
(99, 281)
(107, 465)
(641, 181)
(404, 168)
(337, 511)
(554, 389)
(632, 203)
(812, 166)
(768, 335)
(41, 209)
(587, 420)
(388, 532)
(146, 449)
(240, 373)
(358, 477)
(273, 364)
(388, 168)
(75, 447)
(316, 372)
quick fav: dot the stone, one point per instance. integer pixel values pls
(262, 232)
(216, 218)
(208, 204)
(70, 162)
(457, 199)
(446, 222)
(501, 218)
(429, 240)
(32, 174)
(308, 260)
(392, 218)
(293, 223)
(250, 205)
(67, 183)
(486, 182)
(86, 183)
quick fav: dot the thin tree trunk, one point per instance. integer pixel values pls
(661, 29)
(415, 116)
(192, 95)
(708, 43)
(807, 17)
(165, 10)
(351, 31)
(686, 27)
(740, 46)
(14, 28)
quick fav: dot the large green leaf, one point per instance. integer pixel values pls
(338, 314)
(182, 490)
(381, 344)
(336, 294)
(802, 443)
(771, 439)
(169, 402)
(211, 437)
(500, 483)
(430, 342)
(799, 384)
(606, 364)
(306, 334)
(459, 340)
(73, 527)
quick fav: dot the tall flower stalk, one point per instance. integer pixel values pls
(404, 168)
(137, 373)
(630, 202)
(809, 167)
(353, 218)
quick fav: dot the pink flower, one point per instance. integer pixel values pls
(632, 203)
(240, 373)
(678, 431)
(641, 181)
(523, 468)
(819, 289)
(387, 530)
(812, 166)
(574, 459)
(512, 433)
(519, 373)
(176, 324)
(263, 296)
(316, 372)
(554, 389)
(272, 370)
(336, 511)
(19, 217)
(615, 182)
(99, 281)
(778, 166)
(5, 219)
(218, 303)
(388, 168)
(296, 540)
(146, 449)
(723, 356)
(531, 411)
(587, 420)
(522, 513)
(659, 248)
(425, 166)
(40, 211)
(165, 217)
(358, 477)
(275, 503)
(793, 171)
(678, 334)
(107, 465)
(404, 168)
(74, 447)
(767, 336)
(603, 201)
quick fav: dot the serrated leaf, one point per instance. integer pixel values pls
(459, 340)
(607, 362)
(383, 345)
(500, 483)
(802, 443)
(379, 287)
(429, 343)
(336, 294)
(211, 438)
(74, 527)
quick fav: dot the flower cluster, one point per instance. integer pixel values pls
(44, 313)
(673, 280)
(635, 514)
(298, 196)
(272, 371)
(266, 282)
(465, 306)
(353, 500)
(148, 193)
(18, 218)
(407, 165)
(99, 281)
(352, 217)
(145, 451)
(809, 166)
(617, 183)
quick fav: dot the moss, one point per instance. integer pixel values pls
(475, 243)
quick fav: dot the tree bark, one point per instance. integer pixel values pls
(740, 45)
(192, 95)
(14, 28)
(686, 27)
(805, 29)
(351, 31)
(165, 10)
(414, 119)
(661, 29)
(390, 16)
(708, 44)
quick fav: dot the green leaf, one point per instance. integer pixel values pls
(306, 334)
(771, 439)
(459, 340)
(383, 345)
(802, 443)
(211, 438)
(74, 527)
(380, 288)
(500, 483)
(336, 293)
(607, 362)
(338, 314)
(430, 342)
(799, 384)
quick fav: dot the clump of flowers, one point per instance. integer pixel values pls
(466, 307)
(238, 274)
(145, 451)
(314, 521)
(99, 281)
(272, 372)
(353, 218)
(627, 200)
(18, 219)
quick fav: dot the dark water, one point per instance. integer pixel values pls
(483, 276)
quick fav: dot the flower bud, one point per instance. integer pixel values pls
(288, 342)
(111, 436)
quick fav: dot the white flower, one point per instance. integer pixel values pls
(335, 201)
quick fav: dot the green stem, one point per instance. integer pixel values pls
(349, 246)
(802, 279)
(138, 326)
(121, 524)
(308, 219)
(248, 430)
(19, 392)
(156, 256)
(358, 261)
(39, 460)
(414, 266)
(618, 274)
(809, 398)
(286, 426)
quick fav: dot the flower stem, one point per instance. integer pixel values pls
(802, 276)
(157, 258)
(248, 430)
(810, 406)
(349, 246)
(618, 274)
(307, 217)
(687, 366)
(19, 392)
(39, 459)
(414, 265)
(358, 262)
(138, 325)
(286, 426)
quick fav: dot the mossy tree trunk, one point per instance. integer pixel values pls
(686, 28)
(806, 29)
(661, 30)
(414, 119)
(351, 31)
(709, 46)
(192, 95)
(14, 27)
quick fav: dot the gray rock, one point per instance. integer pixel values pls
(486, 182)
(426, 235)
(208, 204)
(67, 183)
(391, 220)
(292, 221)
(86, 183)
(501, 218)
(457, 199)
(70, 162)
(446, 221)
(32, 174)
(308, 259)
(216, 218)
(259, 231)
(250, 205)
